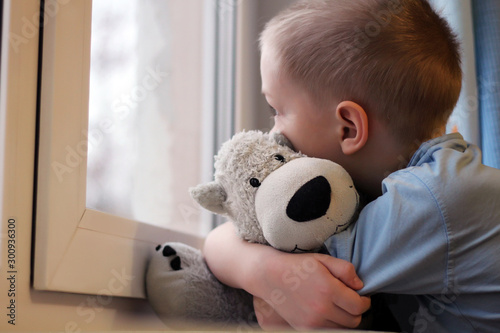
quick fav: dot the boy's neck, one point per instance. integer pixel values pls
(381, 156)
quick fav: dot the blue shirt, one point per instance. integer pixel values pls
(434, 233)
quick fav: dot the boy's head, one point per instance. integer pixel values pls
(396, 59)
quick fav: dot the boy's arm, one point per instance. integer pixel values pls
(400, 243)
(307, 290)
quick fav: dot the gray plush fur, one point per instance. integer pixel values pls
(178, 282)
(192, 293)
(247, 155)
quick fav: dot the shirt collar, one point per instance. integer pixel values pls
(425, 151)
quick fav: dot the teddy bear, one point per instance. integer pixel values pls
(273, 195)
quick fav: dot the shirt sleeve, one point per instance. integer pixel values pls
(399, 244)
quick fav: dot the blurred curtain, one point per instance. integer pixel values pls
(465, 117)
(486, 17)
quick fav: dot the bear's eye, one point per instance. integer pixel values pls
(254, 182)
(280, 158)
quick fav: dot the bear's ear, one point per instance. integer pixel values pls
(210, 196)
(282, 140)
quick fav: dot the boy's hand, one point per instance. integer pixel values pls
(306, 290)
(310, 291)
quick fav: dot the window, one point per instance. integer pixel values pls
(112, 182)
(145, 111)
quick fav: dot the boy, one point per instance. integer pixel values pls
(370, 84)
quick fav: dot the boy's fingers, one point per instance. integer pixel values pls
(335, 317)
(348, 300)
(345, 296)
(342, 270)
(344, 319)
(267, 318)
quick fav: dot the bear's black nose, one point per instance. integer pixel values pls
(311, 201)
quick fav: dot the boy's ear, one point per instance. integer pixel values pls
(354, 126)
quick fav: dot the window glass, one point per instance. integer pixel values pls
(145, 111)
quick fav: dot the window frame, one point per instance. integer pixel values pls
(80, 250)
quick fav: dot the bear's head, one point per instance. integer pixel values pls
(277, 196)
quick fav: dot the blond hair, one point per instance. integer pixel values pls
(398, 59)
